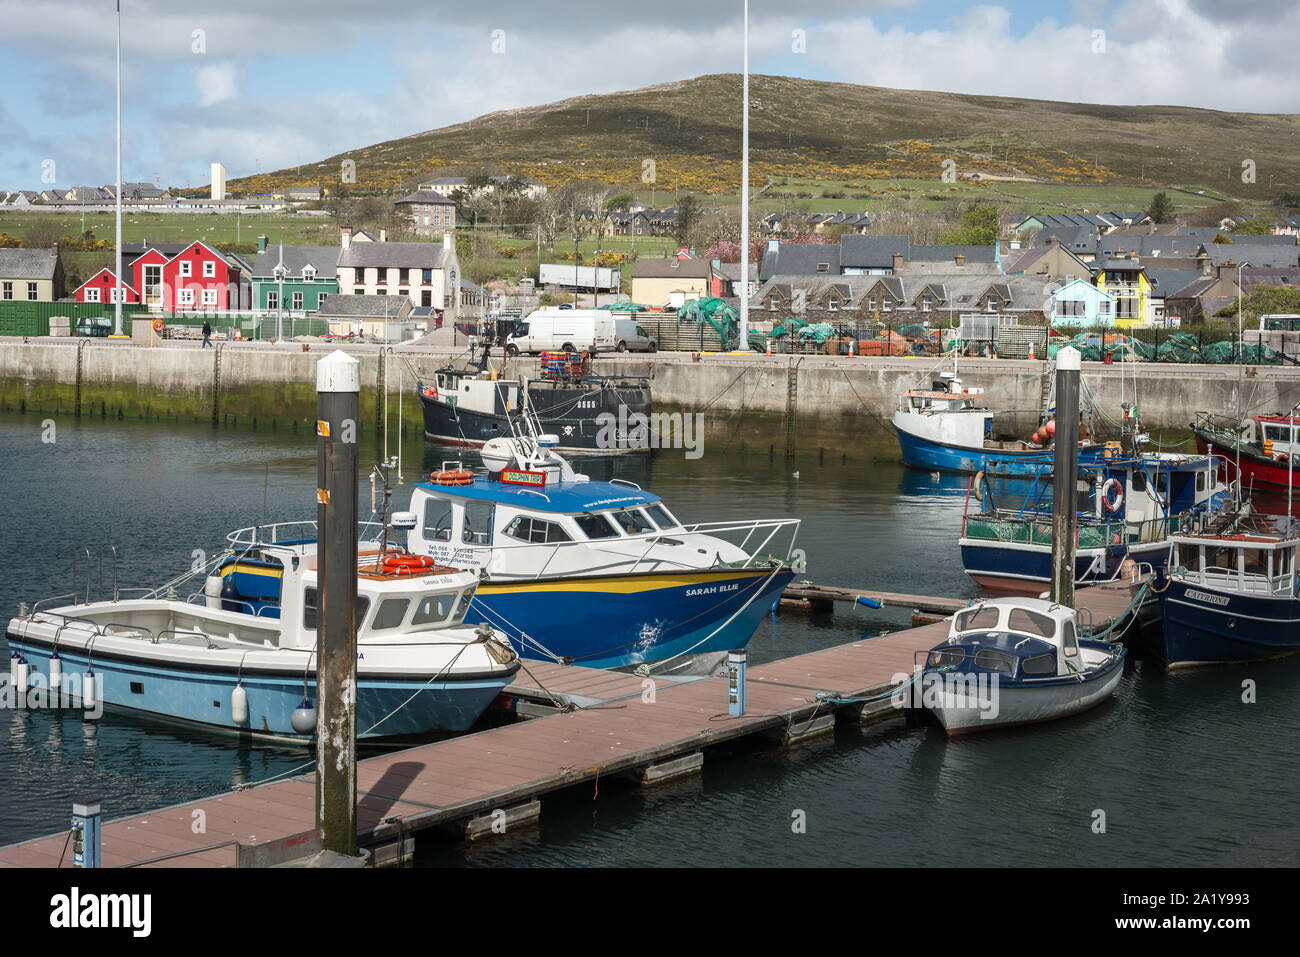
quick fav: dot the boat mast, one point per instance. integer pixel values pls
(117, 299)
(743, 345)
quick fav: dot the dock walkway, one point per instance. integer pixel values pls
(621, 724)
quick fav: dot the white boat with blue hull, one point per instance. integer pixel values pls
(1127, 507)
(224, 662)
(600, 574)
(1013, 661)
(1232, 594)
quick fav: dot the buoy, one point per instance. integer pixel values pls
(978, 486)
(13, 668)
(1128, 569)
(56, 674)
(89, 690)
(869, 602)
(303, 719)
(452, 477)
(212, 589)
(21, 681)
(158, 326)
(239, 704)
(1050, 427)
(1112, 505)
(1037, 437)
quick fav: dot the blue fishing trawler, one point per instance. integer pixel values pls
(1232, 594)
(1127, 508)
(600, 574)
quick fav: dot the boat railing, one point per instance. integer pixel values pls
(752, 529)
(278, 533)
(109, 626)
(53, 598)
(175, 633)
(255, 612)
(1037, 530)
(1246, 583)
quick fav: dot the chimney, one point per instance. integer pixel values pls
(345, 236)
(1228, 271)
(960, 259)
(383, 235)
(898, 262)
(261, 243)
(1053, 240)
(1204, 261)
(447, 245)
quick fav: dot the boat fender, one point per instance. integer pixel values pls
(56, 673)
(239, 705)
(212, 587)
(1112, 495)
(230, 597)
(303, 719)
(978, 486)
(869, 602)
(13, 668)
(20, 685)
(89, 690)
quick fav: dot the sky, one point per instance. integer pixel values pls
(261, 86)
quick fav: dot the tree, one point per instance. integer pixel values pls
(688, 214)
(1221, 239)
(42, 235)
(1213, 215)
(980, 226)
(1161, 209)
(619, 202)
(1254, 227)
(1263, 301)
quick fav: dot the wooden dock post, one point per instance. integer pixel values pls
(338, 388)
(1065, 472)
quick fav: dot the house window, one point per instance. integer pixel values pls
(297, 300)
(31, 291)
(991, 305)
(426, 298)
(381, 277)
(403, 274)
(209, 269)
(426, 277)
(152, 282)
(871, 303)
(209, 297)
(358, 291)
(308, 273)
(185, 270)
(833, 305)
(272, 300)
(186, 297)
(8, 290)
(887, 305)
(92, 295)
(823, 267)
(926, 303)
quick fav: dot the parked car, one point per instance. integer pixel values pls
(629, 336)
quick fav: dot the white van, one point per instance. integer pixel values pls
(629, 335)
(568, 330)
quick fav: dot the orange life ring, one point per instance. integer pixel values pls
(402, 563)
(452, 477)
(158, 326)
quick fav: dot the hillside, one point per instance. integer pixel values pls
(831, 131)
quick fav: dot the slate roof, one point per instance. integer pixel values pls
(1255, 254)
(1168, 282)
(360, 255)
(323, 258)
(798, 259)
(425, 196)
(1080, 240)
(27, 263)
(1148, 246)
(366, 307)
(655, 268)
(948, 253)
(959, 291)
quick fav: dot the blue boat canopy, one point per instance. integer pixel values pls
(564, 497)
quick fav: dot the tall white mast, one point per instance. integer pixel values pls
(117, 244)
(744, 198)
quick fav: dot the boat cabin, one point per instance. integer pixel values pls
(1017, 639)
(1241, 554)
(946, 394)
(475, 391)
(1279, 435)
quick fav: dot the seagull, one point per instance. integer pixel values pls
(794, 475)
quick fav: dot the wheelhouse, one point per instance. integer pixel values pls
(1247, 555)
(1016, 639)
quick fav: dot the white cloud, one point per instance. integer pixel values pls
(215, 83)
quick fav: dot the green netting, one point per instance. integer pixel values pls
(722, 317)
(817, 332)
(788, 325)
(913, 331)
(1037, 531)
(625, 307)
(1175, 347)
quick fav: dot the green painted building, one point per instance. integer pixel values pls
(294, 277)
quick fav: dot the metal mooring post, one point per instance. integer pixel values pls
(338, 388)
(85, 834)
(1065, 471)
(736, 665)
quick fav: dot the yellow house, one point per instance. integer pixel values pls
(1126, 280)
(31, 275)
(671, 281)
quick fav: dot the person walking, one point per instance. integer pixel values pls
(207, 334)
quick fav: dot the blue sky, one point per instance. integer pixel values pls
(262, 86)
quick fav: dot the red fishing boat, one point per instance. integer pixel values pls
(1263, 446)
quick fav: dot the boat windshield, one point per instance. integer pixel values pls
(434, 609)
(596, 525)
(633, 521)
(1031, 623)
(981, 618)
(661, 517)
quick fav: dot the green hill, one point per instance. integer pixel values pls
(809, 129)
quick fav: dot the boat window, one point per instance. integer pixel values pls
(1273, 432)
(478, 524)
(1139, 481)
(633, 521)
(1068, 642)
(995, 661)
(982, 617)
(946, 657)
(596, 525)
(1221, 557)
(311, 609)
(437, 520)
(1031, 623)
(466, 597)
(1254, 561)
(434, 609)
(1189, 557)
(1044, 664)
(536, 530)
(1200, 481)
(661, 517)
(391, 613)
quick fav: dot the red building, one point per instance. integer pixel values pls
(190, 278)
(99, 288)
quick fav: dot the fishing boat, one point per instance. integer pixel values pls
(470, 407)
(240, 655)
(1012, 661)
(1258, 454)
(1232, 592)
(1127, 507)
(595, 573)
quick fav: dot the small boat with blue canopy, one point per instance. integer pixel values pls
(1012, 661)
(596, 573)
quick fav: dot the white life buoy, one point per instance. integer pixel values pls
(1112, 506)
(979, 486)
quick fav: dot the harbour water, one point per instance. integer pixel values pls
(1184, 771)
